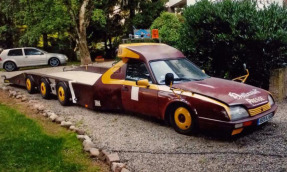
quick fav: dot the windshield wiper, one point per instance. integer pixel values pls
(181, 79)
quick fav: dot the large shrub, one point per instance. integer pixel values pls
(221, 36)
(168, 25)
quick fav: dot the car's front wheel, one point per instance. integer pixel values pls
(182, 120)
(54, 62)
(10, 66)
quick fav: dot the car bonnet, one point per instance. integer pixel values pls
(229, 92)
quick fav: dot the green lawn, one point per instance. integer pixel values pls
(36, 145)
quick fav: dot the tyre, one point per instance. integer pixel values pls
(30, 84)
(10, 66)
(63, 94)
(45, 89)
(54, 62)
(182, 120)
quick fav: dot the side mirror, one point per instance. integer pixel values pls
(169, 78)
(143, 82)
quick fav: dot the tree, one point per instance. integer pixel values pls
(81, 12)
(168, 25)
(222, 36)
(147, 12)
(42, 17)
(141, 13)
(9, 26)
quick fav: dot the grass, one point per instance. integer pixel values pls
(38, 145)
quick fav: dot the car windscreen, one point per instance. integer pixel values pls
(182, 69)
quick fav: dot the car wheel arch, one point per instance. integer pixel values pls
(172, 105)
(54, 57)
(10, 60)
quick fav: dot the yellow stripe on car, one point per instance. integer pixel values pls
(106, 79)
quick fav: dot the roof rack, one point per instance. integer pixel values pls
(139, 40)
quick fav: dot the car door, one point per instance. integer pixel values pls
(135, 98)
(34, 57)
(17, 56)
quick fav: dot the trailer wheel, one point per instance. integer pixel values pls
(30, 85)
(45, 89)
(63, 94)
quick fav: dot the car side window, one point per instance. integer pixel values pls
(15, 52)
(32, 52)
(137, 71)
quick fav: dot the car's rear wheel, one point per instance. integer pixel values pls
(45, 89)
(30, 85)
(10, 66)
(182, 120)
(63, 94)
(54, 62)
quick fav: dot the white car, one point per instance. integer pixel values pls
(13, 59)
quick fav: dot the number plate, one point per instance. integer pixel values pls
(264, 119)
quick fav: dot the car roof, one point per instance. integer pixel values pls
(148, 51)
(21, 48)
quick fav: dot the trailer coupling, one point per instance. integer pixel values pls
(5, 79)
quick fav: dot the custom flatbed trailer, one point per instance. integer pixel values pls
(157, 80)
(74, 85)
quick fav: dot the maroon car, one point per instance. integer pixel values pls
(157, 80)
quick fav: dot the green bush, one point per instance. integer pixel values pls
(221, 36)
(168, 25)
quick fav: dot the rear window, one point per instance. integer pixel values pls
(16, 52)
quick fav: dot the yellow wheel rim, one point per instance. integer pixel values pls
(182, 118)
(61, 94)
(43, 89)
(28, 84)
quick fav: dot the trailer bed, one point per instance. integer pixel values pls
(87, 78)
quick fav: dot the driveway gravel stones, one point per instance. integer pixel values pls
(145, 144)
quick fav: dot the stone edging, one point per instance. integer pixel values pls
(110, 158)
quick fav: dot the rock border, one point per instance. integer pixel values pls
(110, 158)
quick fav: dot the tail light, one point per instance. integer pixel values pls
(0, 59)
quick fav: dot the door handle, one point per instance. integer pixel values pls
(125, 88)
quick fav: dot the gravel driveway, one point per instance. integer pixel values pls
(148, 145)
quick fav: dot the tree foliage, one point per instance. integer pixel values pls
(222, 36)
(168, 25)
(9, 32)
(41, 18)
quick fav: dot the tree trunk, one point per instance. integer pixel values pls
(84, 51)
(81, 23)
(45, 41)
(82, 34)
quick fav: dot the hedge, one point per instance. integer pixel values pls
(221, 36)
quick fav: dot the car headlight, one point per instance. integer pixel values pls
(238, 112)
(270, 99)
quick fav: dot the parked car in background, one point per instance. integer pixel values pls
(13, 59)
